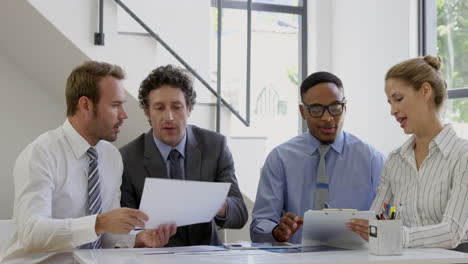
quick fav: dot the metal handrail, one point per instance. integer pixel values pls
(220, 99)
(99, 36)
(218, 68)
(249, 50)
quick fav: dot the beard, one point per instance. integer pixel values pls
(102, 130)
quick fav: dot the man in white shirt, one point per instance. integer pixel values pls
(67, 181)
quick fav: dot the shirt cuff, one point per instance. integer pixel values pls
(263, 232)
(128, 241)
(84, 229)
(273, 230)
(225, 216)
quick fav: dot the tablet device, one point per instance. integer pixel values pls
(329, 228)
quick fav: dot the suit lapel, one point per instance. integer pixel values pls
(193, 157)
(153, 161)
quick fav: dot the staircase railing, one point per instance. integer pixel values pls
(99, 40)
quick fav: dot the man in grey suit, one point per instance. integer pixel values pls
(172, 149)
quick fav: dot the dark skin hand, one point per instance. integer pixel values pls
(360, 227)
(289, 224)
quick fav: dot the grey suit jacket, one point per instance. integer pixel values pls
(207, 158)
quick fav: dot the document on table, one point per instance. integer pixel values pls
(181, 202)
(244, 245)
(328, 227)
(183, 250)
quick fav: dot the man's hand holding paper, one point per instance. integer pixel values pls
(194, 202)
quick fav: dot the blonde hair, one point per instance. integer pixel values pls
(419, 70)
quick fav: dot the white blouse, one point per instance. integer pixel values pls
(432, 202)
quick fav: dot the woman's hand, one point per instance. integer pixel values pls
(360, 227)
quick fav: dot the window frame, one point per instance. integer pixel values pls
(427, 35)
(249, 6)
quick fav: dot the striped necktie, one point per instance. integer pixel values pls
(94, 191)
(321, 188)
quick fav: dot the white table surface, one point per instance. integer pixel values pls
(413, 256)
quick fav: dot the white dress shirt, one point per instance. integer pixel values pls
(432, 201)
(51, 198)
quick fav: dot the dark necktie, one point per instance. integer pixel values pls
(94, 191)
(321, 188)
(175, 170)
(175, 167)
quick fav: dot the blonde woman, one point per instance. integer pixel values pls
(426, 179)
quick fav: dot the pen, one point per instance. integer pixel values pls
(397, 215)
(387, 210)
(392, 212)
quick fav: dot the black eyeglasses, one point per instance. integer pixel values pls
(335, 109)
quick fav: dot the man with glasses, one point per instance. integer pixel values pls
(322, 168)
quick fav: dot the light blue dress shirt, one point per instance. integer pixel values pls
(165, 150)
(288, 180)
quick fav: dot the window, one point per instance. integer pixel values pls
(447, 21)
(275, 59)
(275, 47)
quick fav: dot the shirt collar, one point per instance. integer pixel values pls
(337, 145)
(165, 149)
(407, 148)
(443, 141)
(78, 144)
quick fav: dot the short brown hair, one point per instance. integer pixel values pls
(84, 80)
(167, 75)
(419, 70)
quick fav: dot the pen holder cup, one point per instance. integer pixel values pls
(385, 237)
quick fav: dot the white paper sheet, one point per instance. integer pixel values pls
(181, 202)
(183, 250)
(328, 227)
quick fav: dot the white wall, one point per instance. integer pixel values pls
(185, 29)
(26, 111)
(248, 154)
(185, 25)
(77, 21)
(359, 41)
